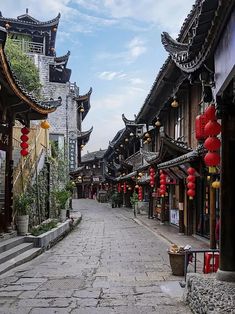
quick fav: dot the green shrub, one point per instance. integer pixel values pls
(134, 199)
(21, 204)
(44, 227)
(61, 197)
(23, 67)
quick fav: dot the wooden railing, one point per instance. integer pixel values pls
(74, 88)
(26, 166)
(29, 46)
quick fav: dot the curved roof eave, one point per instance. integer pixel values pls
(15, 87)
(34, 22)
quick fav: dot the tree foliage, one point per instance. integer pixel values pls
(23, 67)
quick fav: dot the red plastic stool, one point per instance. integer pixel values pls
(210, 264)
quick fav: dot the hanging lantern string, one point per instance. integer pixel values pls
(212, 143)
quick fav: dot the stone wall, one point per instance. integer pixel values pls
(64, 119)
(206, 295)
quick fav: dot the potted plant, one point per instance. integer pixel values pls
(62, 197)
(21, 205)
(177, 259)
(70, 188)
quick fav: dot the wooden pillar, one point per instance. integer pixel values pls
(227, 201)
(181, 206)
(162, 216)
(9, 181)
(212, 215)
(190, 205)
(150, 211)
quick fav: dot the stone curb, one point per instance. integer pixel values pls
(50, 238)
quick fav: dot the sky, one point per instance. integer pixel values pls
(115, 48)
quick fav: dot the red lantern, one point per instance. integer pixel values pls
(191, 186)
(191, 171)
(191, 193)
(212, 128)
(210, 113)
(124, 187)
(212, 143)
(163, 181)
(24, 138)
(152, 175)
(119, 188)
(24, 152)
(191, 178)
(212, 159)
(140, 193)
(24, 145)
(200, 123)
(25, 130)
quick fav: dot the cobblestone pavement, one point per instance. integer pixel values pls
(108, 264)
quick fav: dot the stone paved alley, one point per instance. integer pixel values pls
(108, 264)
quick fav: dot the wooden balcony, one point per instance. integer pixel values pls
(29, 46)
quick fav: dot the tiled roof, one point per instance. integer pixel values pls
(93, 155)
(204, 30)
(16, 88)
(26, 19)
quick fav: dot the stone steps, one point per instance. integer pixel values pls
(16, 251)
(19, 259)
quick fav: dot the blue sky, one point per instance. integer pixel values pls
(115, 49)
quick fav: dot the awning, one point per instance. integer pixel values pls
(128, 176)
(177, 167)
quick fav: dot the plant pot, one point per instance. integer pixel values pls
(22, 224)
(63, 213)
(177, 261)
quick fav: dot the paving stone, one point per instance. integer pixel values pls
(15, 310)
(28, 295)
(9, 294)
(55, 293)
(108, 265)
(88, 293)
(51, 310)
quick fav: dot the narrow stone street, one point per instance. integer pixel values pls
(108, 264)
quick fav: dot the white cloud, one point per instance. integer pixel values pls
(136, 48)
(136, 81)
(46, 9)
(109, 76)
(167, 14)
(133, 50)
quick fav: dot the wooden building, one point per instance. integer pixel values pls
(89, 176)
(15, 104)
(193, 78)
(38, 40)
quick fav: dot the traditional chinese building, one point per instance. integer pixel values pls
(89, 176)
(38, 40)
(16, 104)
(186, 169)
